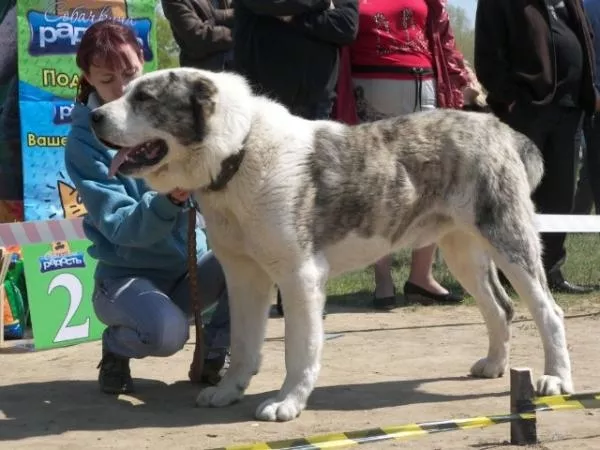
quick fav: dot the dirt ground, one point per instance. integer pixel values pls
(393, 368)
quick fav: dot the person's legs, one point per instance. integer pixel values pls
(584, 199)
(141, 321)
(421, 272)
(421, 286)
(555, 131)
(556, 192)
(385, 292)
(592, 158)
(212, 288)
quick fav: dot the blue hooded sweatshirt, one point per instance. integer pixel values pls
(134, 231)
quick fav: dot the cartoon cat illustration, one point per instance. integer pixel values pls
(70, 201)
(99, 8)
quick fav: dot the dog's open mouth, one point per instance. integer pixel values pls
(129, 159)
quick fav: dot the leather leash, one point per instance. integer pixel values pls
(229, 167)
(197, 365)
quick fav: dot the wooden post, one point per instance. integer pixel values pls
(522, 393)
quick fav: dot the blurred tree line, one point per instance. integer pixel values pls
(168, 51)
(464, 32)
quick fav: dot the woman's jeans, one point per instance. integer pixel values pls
(147, 317)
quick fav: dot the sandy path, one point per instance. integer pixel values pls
(385, 369)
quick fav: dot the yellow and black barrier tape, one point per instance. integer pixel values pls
(400, 432)
(565, 402)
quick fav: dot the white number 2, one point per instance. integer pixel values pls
(73, 286)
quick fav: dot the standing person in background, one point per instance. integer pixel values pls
(203, 32)
(588, 187)
(537, 65)
(289, 50)
(404, 59)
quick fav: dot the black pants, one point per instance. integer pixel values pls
(588, 188)
(555, 130)
(584, 199)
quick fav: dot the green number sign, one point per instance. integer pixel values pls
(60, 282)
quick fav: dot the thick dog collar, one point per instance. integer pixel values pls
(229, 167)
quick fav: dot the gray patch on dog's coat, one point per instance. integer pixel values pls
(379, 178)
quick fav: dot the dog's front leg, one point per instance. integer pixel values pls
(251, 291)
(303, 298)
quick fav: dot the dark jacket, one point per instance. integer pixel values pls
(592, 11)
(202, 32)
(514, 60)
(295, 62)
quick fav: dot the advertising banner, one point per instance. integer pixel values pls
(11, 175)
(49, 32)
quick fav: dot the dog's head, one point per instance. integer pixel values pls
(174, 127)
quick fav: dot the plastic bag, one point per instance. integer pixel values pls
(15, 303)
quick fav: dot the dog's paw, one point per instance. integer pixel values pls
(553, 385)
(486, 368)
(272, 410)
(219, 396)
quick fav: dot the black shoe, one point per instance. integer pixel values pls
(557, 283)
(416, 294)
(215, 368)
(566, 287)
(115, 376)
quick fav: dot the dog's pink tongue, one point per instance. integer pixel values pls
(117, 161)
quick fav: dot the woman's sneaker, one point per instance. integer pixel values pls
(115, 376)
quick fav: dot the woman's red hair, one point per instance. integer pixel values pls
(102, 44)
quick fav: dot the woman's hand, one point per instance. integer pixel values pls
(178, 196)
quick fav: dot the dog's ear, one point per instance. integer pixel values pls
(202, 109)
(202, 103)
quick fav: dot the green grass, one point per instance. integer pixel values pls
(582, 267)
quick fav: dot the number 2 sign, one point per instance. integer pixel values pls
(60, 283)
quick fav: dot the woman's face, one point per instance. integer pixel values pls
(110, 83)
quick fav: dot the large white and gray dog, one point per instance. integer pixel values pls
(292, 202)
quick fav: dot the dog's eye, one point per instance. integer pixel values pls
(142, 96)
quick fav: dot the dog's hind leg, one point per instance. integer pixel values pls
(303, 297)
(471, 265)
(517, 251)
(250, 292)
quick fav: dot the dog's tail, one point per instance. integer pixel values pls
(532, 159)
